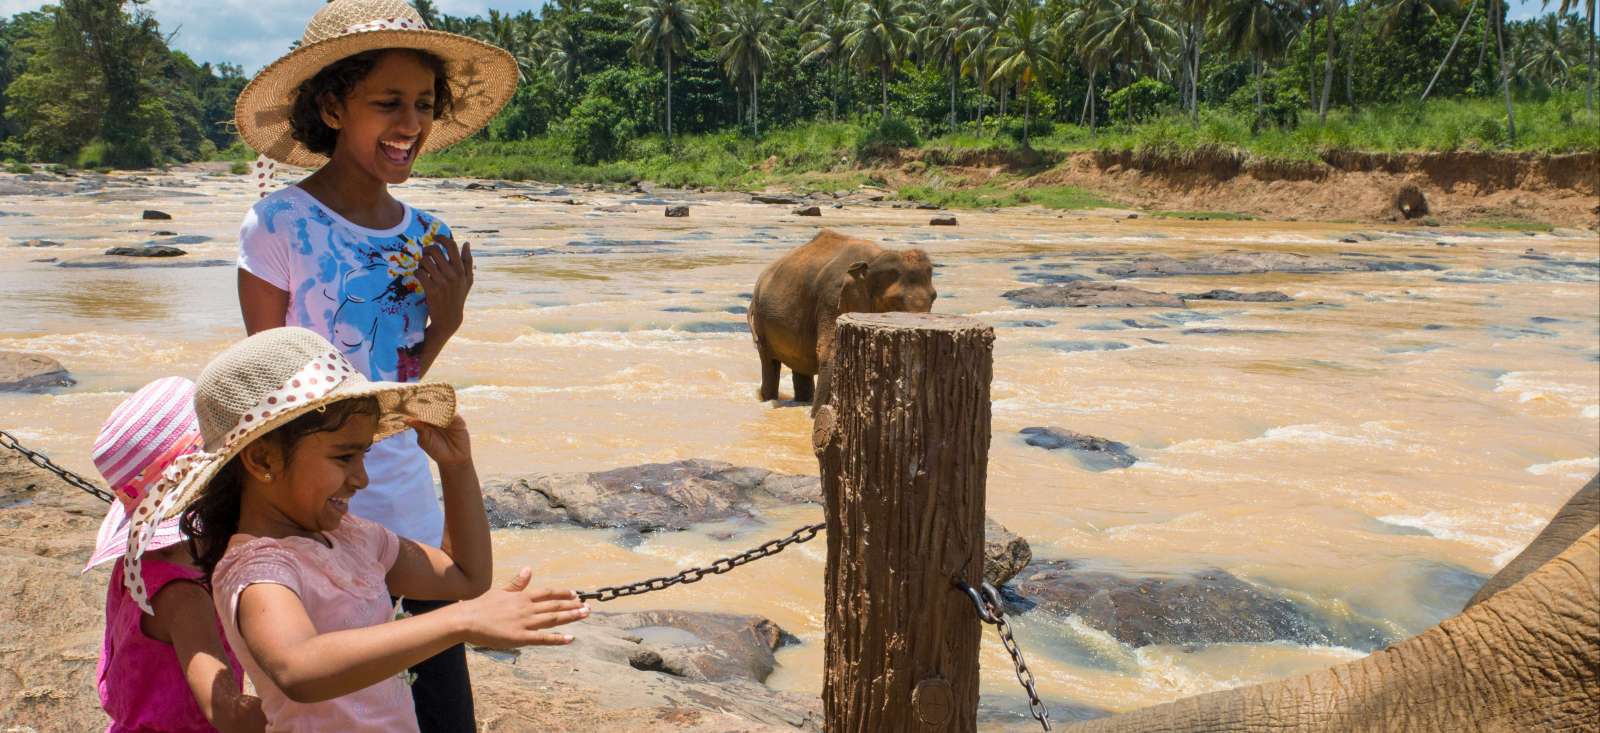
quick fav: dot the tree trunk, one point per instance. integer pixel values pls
(883, 86)
(1505, 80)
(903, 452)
(1027, 118)
(954, 70)
(1091, 103)
(755, 103)
(1451, 50)
(833, 111)
(1257, 69)
(1194, 101)
(669, 99)
(1327, 73)
(1589, 94)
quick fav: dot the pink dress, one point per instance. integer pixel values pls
(342, 587)
(141, 685)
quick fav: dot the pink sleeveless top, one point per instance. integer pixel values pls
(342, 587)
(141, 685)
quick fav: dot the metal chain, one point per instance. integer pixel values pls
(718, 567)
(991, 611)
(7, 440)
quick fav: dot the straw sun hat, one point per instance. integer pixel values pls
(254, 387)
(482, 76)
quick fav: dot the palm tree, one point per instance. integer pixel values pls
(562, 48)
(1546, 58)
(828, 22)
(1073, 30)
(880, 36)
(1194, 14)
(745, 37)
(1496, 17)
(427, 12)
(1255, 28)
(1568, 6)
(660, 28)
(984, 20)
(1331, 9)
(1022, 53)
(1134, 32)
(943, 23)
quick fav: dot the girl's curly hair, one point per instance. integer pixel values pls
(336, 80)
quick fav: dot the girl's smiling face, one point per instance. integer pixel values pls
(322, 471)
(386, 117)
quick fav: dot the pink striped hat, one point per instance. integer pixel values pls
(143, 436)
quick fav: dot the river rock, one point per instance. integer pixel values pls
(675, 496)
(1004, 553)
(1091, 295)
(942, 221)
(646, 498)
(1206, 607)
(149, 250)
(1250, 263)
(21, 372)
(764, 198)
(701, 646)
(153, 215)
(1096, 454)
(677, 211)
(1234, 296)
(39, 243)
(808, 211)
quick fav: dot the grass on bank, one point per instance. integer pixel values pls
(1512, 222)
(824, 156)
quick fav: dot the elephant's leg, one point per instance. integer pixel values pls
(824, 371)
(769, 376)
(802, 387)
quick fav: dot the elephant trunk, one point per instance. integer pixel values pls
(1526, 659)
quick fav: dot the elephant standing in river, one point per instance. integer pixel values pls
(1523, 656)
(798, 299)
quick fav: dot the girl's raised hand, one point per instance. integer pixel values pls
(515, 616)
(445, 272)
(447, 446)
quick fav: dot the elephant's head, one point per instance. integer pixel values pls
(895, 280)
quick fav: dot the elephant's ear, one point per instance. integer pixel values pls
(853, 294)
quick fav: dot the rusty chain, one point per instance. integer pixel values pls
(991, 611)
(717, 567)
(7, 440)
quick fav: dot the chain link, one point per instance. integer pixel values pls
(991, 611)
(717, 567)
(7, 440)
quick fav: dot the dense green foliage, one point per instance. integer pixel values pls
(702, 90)
(92, 83)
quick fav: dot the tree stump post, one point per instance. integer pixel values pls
(903, 449)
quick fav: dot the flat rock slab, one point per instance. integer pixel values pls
(1091, 295)
(701, 646)
(1235, 296)
(658, 497)
(1249, 263)
(1096, 454)
(677, 212)
(149, 250)
(1206, 607)
(39, 243)
(23, 372)
(942, 221)
(762, 198)
(153, 215)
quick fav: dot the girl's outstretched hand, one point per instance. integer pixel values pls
(516, 616)
(447, 446)
(445, 272)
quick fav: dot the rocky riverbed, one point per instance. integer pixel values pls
(1223, 452)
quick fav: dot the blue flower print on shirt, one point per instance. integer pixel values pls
(382, 310)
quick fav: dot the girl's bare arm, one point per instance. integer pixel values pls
(310, 667)
(264, 306)
(446, 274)
(185, 618)
(464, 566)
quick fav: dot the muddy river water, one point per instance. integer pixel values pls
(1375, 447)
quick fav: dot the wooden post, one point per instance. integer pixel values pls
(904, 449)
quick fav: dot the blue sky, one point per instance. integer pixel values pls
(252, 33)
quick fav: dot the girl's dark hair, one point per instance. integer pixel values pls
(213, 519)
(336, 80)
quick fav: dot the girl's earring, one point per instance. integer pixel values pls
(269, 475)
